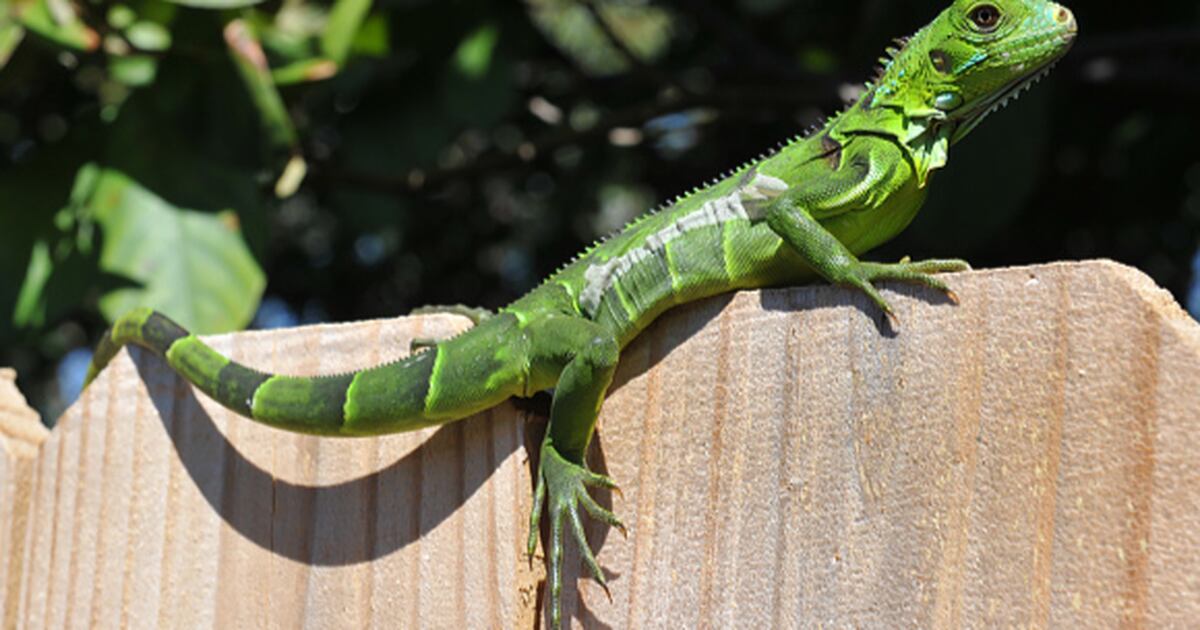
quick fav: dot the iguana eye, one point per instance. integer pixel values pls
(985, 17)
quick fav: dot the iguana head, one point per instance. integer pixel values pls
(969, 62)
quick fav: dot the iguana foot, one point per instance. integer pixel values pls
(863, 275)
(566, 484)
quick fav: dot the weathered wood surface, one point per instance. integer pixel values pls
(21, 434)
(1027, 458)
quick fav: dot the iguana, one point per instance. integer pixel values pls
(805, 211)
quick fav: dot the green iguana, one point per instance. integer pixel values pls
(807, 210)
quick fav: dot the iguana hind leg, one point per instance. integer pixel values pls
(476, 314)
(590, 353)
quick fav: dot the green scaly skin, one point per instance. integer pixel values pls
(806, 211)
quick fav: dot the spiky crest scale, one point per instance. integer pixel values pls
(891, 54)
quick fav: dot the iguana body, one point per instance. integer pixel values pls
(804, 212)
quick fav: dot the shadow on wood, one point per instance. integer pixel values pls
(1028, 457)
(233, 486)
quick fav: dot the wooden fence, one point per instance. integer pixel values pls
(1029, 458)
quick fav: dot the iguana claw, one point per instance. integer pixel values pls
(566, 485)
(863, 275)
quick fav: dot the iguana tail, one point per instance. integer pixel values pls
(400, 396)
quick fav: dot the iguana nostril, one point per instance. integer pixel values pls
(1065, 17)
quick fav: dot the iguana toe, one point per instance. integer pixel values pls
(562, 488)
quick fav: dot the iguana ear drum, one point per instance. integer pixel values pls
(940, 61)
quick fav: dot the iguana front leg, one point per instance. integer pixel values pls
(830, 258)
(831, 190)
(587, 355)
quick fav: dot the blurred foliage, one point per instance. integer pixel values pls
(231, 161)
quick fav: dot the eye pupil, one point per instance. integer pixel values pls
(985, 17)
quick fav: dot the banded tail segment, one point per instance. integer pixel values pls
(386, 399)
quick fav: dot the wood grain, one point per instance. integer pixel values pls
(1028, 458)
(21, 435)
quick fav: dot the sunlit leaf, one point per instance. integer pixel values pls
(480, 89)
(56, 22)
(251, 63)
(293, 175)
(345, 19)
(121, 16)
(290, 34)
(191, 265)
(373, 39)
(58, 279)
(184, 153)
(30, 310)
(149, 36)
(643, 29)
(133, 70)
(11, 35)
(474, 53)
(304, 71)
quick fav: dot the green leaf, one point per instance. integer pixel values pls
(57, 22)
(191, 265)
(291, 34)
(344, 21)
(304, 71)
(373, 39)
(133, 70)
(251, 63)
(291, 178)
(11, 35)
(121, 16)
(217, 4)
(149, 36)
(474, 54)
(30, 310)
(643, 28)
(43, 274)
(59, 277)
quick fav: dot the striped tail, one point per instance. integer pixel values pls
(387, 399)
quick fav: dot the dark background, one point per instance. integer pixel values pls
(465, 149)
